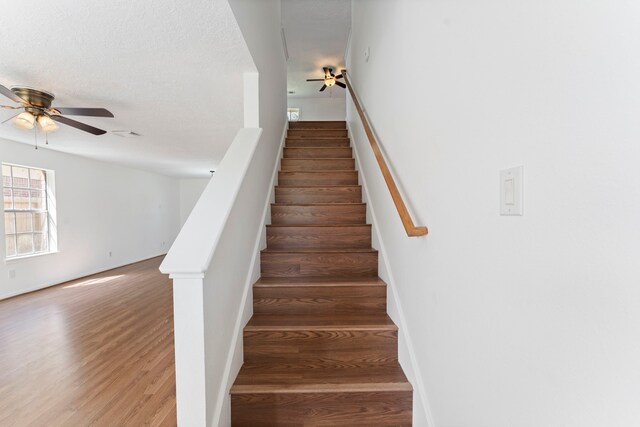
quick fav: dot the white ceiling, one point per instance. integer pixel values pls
(169, 70)
(316, 34)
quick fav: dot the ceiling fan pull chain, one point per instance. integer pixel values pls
(35, 135)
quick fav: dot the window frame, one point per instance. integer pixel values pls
(48, 210)
(291, 112)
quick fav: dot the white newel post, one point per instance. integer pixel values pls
(188, 321)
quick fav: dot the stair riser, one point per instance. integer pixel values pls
(315, 142)
(352, 264)
(317, 133)
(319, 237)
(311, 300)
(317, 125)
(317, 164)
(317, 153)
(305, 195)
(309, 347)
(371, 409)
(318, 178)
(318, 215)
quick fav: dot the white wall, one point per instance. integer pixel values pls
(515, 321)
(320, 108)
(190, 191)
(101, 208)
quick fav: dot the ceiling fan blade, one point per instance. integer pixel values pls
(12, 96)
(339, 76)
(15, 115)
(315, 80)
(89, 112)
(323, 88)
(70, 122)
(342, 85)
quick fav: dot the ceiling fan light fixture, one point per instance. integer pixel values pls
(25, 120)
(330, 81)
(46, 124)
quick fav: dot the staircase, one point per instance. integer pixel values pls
(320, 349)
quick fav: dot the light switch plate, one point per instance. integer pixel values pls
(511, 189)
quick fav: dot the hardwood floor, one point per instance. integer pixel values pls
(320, 349)
(95, 351)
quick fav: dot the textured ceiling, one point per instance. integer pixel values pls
(316, 34)
(168, 70)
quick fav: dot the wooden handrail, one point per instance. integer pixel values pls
(407, 222)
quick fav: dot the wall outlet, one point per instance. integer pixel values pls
(12, 274)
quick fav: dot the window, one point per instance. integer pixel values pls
(293, 114)
(27, 214)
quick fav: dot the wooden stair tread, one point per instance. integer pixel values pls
(318, 204)
(274, 282)
(332, 171)
(317, 225)
(315, 148)
(333, 322)
(283, 378)
(313, 159)
(317, 142)
(319, 186)
(311, 251)
(317, 137)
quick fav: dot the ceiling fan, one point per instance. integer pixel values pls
(38, 111)
(329, 79)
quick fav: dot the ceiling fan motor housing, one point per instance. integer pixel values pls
(35, 97)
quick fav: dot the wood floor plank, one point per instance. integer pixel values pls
(93, 351)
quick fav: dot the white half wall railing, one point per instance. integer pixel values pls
(212, 263)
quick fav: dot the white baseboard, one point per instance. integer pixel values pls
(77, 276)
(222, 412)
(395, 307)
